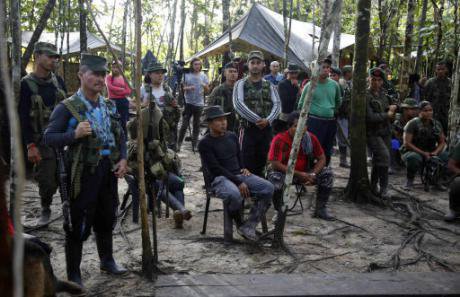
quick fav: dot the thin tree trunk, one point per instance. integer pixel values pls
(160, 44)
(37, 32)
(326, 35)
(358, 188)
(337, 33)
(169, 56)
(298, 13)
(456, 24)
(123, 33)
(421, 25)
(11, 92)
(313, 24)
(405, 67)
(454, 111)
(438, 12)
(83, 36)
(325, 14)
(182, 33)
(111, 19)
(147, 257)
(276, 5)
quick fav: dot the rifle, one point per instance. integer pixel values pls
(64, 190)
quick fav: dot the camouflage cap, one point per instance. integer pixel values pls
(45, 48)
(293, 68)
(231, 65)
(409, 103)
(256, 55)
(347, 68)
(94, 63)
(376, 72)
(155, 66)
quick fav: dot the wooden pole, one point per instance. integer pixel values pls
(454, 112)
(11, 91)
(147, 257)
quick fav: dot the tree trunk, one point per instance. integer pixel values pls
(37, 32)
(182, 33)
(325, 15)
(454, 111)
(83, 36)
(285, 30)
(438, 12)
(11, 89)
(169, 55)
(123, 33)
(313, 24)
(326, 35)
(298, 12)
(111, 19)
(421, 25)
(358, 188)
(337, 33)
(147, 257)
(405, 66)
(276, 5)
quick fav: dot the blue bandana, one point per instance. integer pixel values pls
(99, 119)
(306, 144)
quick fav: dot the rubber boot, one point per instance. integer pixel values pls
(45, 214)
(177, 206)
(322, 197)
(409, 184)
(248, 229)
(343, 157)
(105, 250)
(383, 181)
(452, 215)
(277, 203)
(73, 251)
(374, 179)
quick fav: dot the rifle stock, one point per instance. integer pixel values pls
(64, 189)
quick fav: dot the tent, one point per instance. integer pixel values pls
(95, 43)
(263, 29)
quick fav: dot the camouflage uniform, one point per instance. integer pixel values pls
(378, 129)
(437, 91)
(222, 96)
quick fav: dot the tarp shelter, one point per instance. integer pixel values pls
(95, 43)
(262, 28)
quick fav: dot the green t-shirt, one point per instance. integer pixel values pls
(326, 99)
(455, 154)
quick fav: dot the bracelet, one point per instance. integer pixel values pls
(30, 145)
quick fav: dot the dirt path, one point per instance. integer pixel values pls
(410, 235)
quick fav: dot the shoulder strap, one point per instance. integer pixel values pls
(70, 105)
(33, 86)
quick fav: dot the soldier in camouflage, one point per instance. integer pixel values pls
(257, 104)
(379, 115)
(222, 95)
(89, 125)
(423, 140)
(154, 88)
(437, 91)
(41, 91)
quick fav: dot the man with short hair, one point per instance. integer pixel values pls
(257, 103)
(437, 91)
(454, 193)
(88, 124)
(288, 89)
(274, 77)
(222, 95)
(310, 168)
(379, 115)
(41, 91)
(324, 106)
(230, 179)
(423, 140)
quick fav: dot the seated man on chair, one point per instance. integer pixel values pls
(221, 157)
(310, 149)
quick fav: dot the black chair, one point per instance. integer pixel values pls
(300, 189)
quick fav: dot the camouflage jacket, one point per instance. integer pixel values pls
(438, 91)
(377, 120)
(222, 95)
(424, 136)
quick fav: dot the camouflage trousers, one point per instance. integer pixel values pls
(46, 175)
(324, 179)
(380, 147)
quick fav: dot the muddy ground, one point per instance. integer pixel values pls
(408, 236)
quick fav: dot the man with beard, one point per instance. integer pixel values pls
(41, 91)
(257, 103)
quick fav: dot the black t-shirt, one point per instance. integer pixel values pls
(221, 156)
(48, 94)
(288, 95)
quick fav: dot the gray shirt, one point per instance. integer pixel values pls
(195, 97)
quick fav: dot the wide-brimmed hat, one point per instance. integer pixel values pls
(45, 48)
(94, 63)
(214, 112)
(409, 103)
(155, 66)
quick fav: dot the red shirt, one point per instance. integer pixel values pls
(117, 88)
(280, 148)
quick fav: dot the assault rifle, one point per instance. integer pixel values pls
(64, 189)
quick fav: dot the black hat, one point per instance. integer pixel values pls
(230, 65)
(293, 68)
(214, 112)
(327, 61)
(94, 63)
(424, 104)
(336, 70)
(376, 72)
